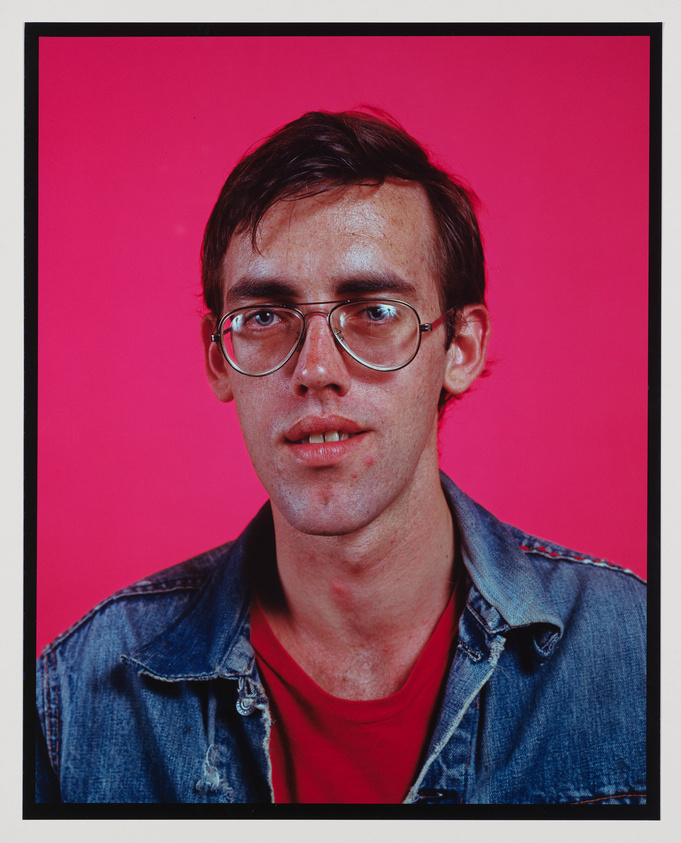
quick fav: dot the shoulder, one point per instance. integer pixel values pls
(570, 687)
(557, 564)
(134, 613)
(529, 578)
(603, 607)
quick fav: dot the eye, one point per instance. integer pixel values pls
(379, 313)
(264, 318)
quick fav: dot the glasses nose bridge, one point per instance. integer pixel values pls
(327, 316)
(302, 339)
(324, 313)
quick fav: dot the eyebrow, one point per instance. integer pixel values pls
(375, 282)
(248, 288)
(271, 289)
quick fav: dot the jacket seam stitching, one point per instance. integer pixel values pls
(46, 703)
(614, 796)
(477, 617)
(198, 677)
(468, 757)
(485, 626)
(52, 711)
(579, 560)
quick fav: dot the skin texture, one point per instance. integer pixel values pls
(365, 542)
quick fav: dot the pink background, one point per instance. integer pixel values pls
(141, 467)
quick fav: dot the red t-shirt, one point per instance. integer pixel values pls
(327, 749)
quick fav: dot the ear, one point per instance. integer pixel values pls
(467, 354)
(217, 368)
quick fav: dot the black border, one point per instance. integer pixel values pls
(33, 33)
(654, 418)
(268, 29)
(30, 403)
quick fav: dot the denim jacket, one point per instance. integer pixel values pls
(154, 696)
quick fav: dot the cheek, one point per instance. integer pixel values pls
(420, 397)
(254, 409)
(425, 380)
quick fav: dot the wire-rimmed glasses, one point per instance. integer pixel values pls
(382, 334)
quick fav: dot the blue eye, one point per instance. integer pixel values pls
(261, 319)
(379, 312)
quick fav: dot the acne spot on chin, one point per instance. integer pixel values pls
(369, 461)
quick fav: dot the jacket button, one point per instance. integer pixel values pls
(246, 705)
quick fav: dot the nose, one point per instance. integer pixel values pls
(320, 362)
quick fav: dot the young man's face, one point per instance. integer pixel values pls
(359, 242)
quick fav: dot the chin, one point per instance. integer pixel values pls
(333, 518)
(326, 525)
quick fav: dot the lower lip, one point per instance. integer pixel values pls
(325, 454)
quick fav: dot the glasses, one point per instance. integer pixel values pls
(382, 334)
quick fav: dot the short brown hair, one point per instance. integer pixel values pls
(321, 151)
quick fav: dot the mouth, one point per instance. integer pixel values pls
(323, 441)
(317, 430)
(327, 436)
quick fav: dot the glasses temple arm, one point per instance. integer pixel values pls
(436, 324)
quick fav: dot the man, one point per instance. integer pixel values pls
(374, 635)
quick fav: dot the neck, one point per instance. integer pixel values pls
(370, 598)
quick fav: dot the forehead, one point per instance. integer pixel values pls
(315, 244)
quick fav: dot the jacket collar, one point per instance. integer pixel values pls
(508, 591)
(210, 639)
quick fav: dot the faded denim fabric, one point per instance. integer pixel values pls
(154, 696)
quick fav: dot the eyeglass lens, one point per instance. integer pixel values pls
(381, 334)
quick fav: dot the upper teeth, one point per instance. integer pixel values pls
(329, 436)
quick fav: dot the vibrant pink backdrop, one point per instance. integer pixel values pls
(141, 467)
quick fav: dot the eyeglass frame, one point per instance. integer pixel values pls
(423, 327)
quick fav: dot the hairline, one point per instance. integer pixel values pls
(250, 225)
